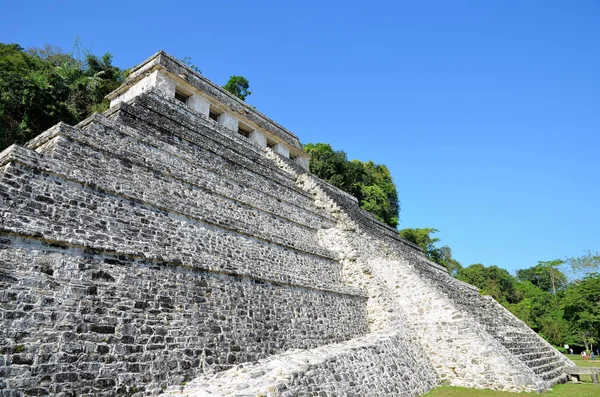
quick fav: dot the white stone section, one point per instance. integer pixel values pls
(199, 104)
(281, 149)
(156, 80)
(302, 161)
(228, 121)
(375, 364)
(259, 138)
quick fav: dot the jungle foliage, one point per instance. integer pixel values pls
(562, 312)
(370, 183)
(238, 86)
(440, 255)
(41, 86)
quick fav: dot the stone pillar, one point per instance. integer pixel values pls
(259, 138)
(199, 104)
(302, 161)
(165, 85)
(228, 121)
(282, 150)
(156, 79)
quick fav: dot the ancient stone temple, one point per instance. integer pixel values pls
(177, 244)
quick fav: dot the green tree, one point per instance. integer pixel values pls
(553, 326)
(581, 305)
(531, 305)
(491, 280)
(238, 86)
(422, 237)
(370, 183)
(375, 189)
(545, 275)
(442, 255)
(329, 165)
(542, 311)
(42, 86)
(585, 264)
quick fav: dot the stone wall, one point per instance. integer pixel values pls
(76, 320)
(374, 365)
(439, 338)
(469, 343)
(462, 352)
(142, 250)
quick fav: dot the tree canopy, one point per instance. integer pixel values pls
(370, 183)
(238, 86)
(41, 86)
(545, 275)
(581, 307)
(585, 264)
(440, 255)
(492, 281)
(560, 311)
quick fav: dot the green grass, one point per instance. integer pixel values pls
(579, 361)
(566, 390)
(583, 389)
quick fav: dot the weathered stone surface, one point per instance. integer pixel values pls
(151, 245)
(364, 366)
(156, 322)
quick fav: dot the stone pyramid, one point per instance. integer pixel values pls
(177, 244)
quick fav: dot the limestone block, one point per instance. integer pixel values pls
(259, 138)
(303, 161)
(199, 104)
(228, 121)
(156, 79)
(282, 150)
(165, 85)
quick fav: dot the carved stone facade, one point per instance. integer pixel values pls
(179, 238)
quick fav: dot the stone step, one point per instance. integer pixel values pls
(522, 349)
(91, 218)
(552, 373)
(532, 346)
(561, 378)
(211, 155)
(189, 166)
(203, 134)
(131, 181)
(515, 334)
(543, 365)
(531, 342)
(536, 355)
(180, 119)
(521, 339)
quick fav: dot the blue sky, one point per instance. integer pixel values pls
(486, 112)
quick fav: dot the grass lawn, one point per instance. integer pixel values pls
(579, 361)
(566, 390)
(583, 389)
